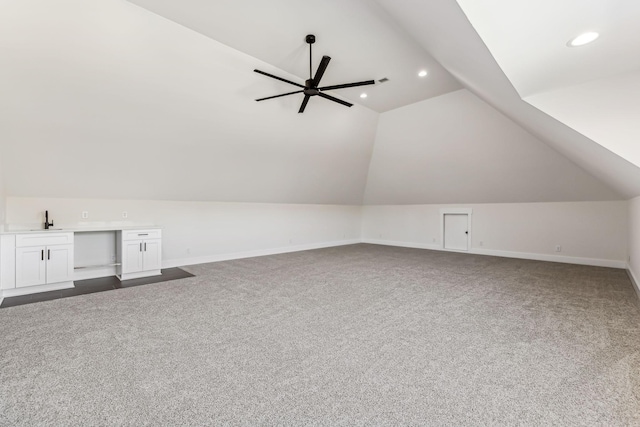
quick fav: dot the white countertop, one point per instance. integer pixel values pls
(14, 229)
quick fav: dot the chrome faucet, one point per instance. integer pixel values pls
(47, 224)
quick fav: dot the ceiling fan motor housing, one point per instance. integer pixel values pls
(310, 89)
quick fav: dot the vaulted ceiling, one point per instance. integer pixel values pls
(154, 100)
(447, 33)
(363, 41)
(525, 50)
(595, 88)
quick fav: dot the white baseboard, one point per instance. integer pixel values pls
(596, 262)
(508, 254)
(139, 275)
(634, 280)
(281, 250)
(93, 273)
(250, 254)
(413, 245)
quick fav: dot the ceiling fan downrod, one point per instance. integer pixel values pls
(311, 39)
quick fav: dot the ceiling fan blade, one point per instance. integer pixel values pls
(278, 96)
(331, 98)
(321, 69)
(304, 103)
(279, 78)
(364, 83)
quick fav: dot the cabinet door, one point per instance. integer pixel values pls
(30, 266)
(59, 260)
(152, 254)
(131, 256)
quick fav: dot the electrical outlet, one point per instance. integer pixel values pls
(558, 248)
(481, 243)
(434, 240)
(124, 214)
(85, 214)
(188, 251)
(113, 258)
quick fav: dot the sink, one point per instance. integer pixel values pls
(45, 229)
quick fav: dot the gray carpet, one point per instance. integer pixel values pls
(356, 335)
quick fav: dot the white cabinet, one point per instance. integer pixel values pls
(139, 253)
(152, 254)
(30, 267)
(40, 265)
(132, 256)
(7, 264)
(43, 259)
(59, 263)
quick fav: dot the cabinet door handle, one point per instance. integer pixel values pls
(42, 255)
(140, 246)
(48, 253)
(145, 246)
(143, 234)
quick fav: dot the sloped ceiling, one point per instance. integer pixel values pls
(362, 40)
(595, 88)
(606, 110)
(109, 99)
(382, 35)
(529, 40)
(446, 32)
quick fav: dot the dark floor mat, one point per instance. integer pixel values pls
(90, 286)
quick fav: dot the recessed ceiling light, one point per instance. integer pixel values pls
(422, 73)
(583, 39)
(363, 95)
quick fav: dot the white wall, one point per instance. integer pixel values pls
(588, 232)
(104, 99)
(458, 148)
(605, 110)
(2, 190)
(195, 232)
(592, 233)
(634, 241)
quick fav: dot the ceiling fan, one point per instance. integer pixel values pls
(310, 87)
